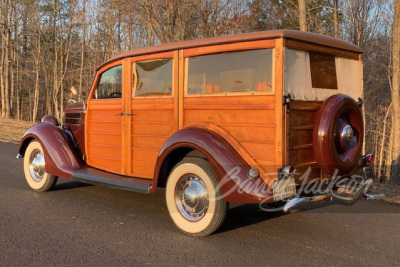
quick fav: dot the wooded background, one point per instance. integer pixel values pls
(48, 46)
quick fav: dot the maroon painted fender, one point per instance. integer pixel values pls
(61, 157)
(237, 187)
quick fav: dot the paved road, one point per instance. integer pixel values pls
(78, 224)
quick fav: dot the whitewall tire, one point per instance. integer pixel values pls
(193, 202)
(34, 167)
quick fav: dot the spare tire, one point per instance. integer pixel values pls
(338, 134)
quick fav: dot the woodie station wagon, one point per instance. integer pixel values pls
(229, 119)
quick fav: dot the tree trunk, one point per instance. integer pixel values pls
(336, 17)
(3, 93)
(6, 10)
(303, 15)
(383, 142)
(36, 90)
(56, 48)
(396, 94)
(6, 74)
(388, 159)
(82, 50)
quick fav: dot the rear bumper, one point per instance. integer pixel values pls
(347, 198)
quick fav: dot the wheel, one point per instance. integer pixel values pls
(338, 135)
(194, 204)
(34, 167)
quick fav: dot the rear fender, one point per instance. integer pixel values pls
(230, 168)
(61, 156)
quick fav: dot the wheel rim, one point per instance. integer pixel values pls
(37, 165)
(191, 197)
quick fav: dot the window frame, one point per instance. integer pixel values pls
(97, 80)
(234, 47)
(158, 56)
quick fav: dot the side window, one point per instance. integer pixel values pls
(323, 71)
(110, 84)
(153, 78)
(239, 71)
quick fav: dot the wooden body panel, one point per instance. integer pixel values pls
(250, 121)
(153, 120)
(300, 118)
(280, 129)
(152, 124)
(104, 129)
(104, 135)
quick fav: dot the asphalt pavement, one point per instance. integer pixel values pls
(79, 224)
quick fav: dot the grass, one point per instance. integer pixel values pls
(388, 192)
(13, 130)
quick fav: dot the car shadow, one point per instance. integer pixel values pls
(69, 185)
(242, 215)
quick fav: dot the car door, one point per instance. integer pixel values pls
(104, 120)
(153, 110)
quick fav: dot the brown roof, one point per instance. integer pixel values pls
(290, 34)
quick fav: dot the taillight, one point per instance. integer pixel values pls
(367, 160)
(287, 171)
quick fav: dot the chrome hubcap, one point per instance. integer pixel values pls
(347, 135)
(191, 197)
(36, 165)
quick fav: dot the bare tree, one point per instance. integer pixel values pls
(303, 15)
(6, 10)
(336, 17)
(396, 93)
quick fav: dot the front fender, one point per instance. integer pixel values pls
(230, 168)
(60, 155)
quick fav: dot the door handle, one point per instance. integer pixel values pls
(122, 113)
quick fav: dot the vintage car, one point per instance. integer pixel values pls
(249, 118)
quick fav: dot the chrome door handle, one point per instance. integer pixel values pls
(122, 113)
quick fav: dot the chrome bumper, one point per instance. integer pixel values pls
(340, 198)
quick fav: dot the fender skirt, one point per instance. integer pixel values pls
(61, 156)
(230, 168)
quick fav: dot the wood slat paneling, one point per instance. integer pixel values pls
(250, 120)
(152, 123)
(300, 138)
(104, 135)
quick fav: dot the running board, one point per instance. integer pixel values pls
(102, 178)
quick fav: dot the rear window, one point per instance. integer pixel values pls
(229, 72)
(323, 71)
